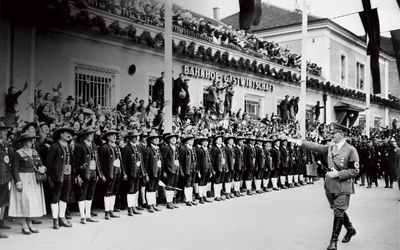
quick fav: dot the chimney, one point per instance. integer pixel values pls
(216, 13)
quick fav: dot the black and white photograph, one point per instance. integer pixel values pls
(199, 124)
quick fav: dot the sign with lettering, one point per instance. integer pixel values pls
(229, 79)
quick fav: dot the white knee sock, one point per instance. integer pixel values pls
(112, 202)
(54, 210)
(62, 208)
(88, 205)
(82, 205)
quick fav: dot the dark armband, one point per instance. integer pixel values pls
(354, 165)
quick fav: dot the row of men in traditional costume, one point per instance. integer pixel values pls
(218, 167)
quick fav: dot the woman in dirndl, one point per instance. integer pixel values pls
(27, 197)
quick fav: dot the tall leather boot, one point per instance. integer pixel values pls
(350, 229)
(337, 227)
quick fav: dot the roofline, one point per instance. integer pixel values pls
(335, 28)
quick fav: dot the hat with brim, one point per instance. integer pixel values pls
(133, 133)
(228, 137)
(268, 140)
(70, 98)
(169, 136)
(26, 127)
(42, 124)
(109, 132)
(201, 139)
(276, 140)
(86, 131)
(59, 131)
(240, 138)
(3, 126)
(216, 137)
(338, 128)
(152, 135)
(26, 136)
(251, 138)
(187, 138)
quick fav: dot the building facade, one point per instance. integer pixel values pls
(102, 54)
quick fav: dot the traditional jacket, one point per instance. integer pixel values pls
(6, 157)
(111, 161)
(170, 159)
(60, 162)
(203, 160)
(187, 159)
(84, 157)
(132, 161)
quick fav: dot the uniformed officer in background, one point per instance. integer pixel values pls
(343, 161)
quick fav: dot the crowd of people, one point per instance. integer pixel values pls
(124, 158)
(152, 12)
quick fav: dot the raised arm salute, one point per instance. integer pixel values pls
(343, 161)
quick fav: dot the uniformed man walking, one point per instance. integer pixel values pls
(343, 160)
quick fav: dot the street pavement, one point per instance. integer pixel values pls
(298, 218)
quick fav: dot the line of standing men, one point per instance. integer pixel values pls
(223, 170)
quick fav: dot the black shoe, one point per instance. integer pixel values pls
(227, 196)
(107, 215)
(26, 231)
(33, 230)
(140, 207)
(237, 194)
(169, 206)
(201, 200)
(135, 210)
(55, 224)
(68, 217)
(217, 199)
(350, 233)
(362, 184)
(189, 204)
(150, 209)
(207, 200)
(36, 221)
(3, 225)
(156, 208)
(93, 214)
(391, 186)
(175, 206)
(112, 215)
(249, 192)
(130, 212)
(63, 222)
(387, 186)
(259, 192)
(369, 186)
(83, 220)
(91, 220)
(194, 203)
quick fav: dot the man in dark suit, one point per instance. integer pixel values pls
(239, 165)
(284, 109)
(113, 169)
(218, 160)
(249, 154)
(170, 162)
(212, 98)
(343, 161)
(230, 164)
(133, 163)
(181, 97)
(205, 168)
(284, 163)
(188, 164)
(276, 163)
(60, 170)
(260, 165)
(158, 91)
(88, 170)
(153, 163)
(6, 156)
(268, 164)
